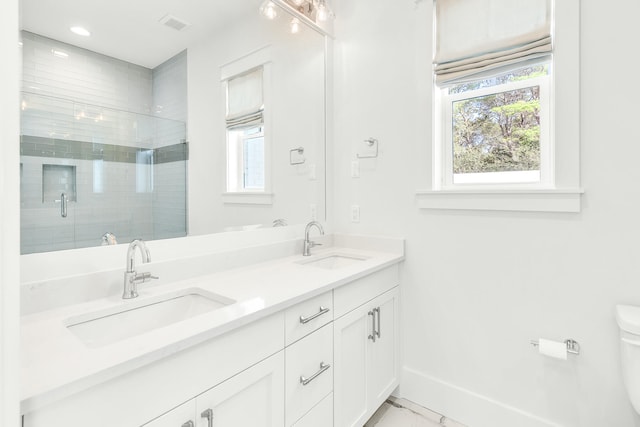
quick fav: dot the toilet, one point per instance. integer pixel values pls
(628, 318)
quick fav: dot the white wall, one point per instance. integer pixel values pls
(9, 216)
(477, 286)
(295, 105)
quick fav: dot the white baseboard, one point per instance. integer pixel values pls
(463, 405)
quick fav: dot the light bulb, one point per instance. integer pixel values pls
(295, 25)
(268, 10)
(323, 11)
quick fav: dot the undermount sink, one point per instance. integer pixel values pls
(108, 326)
(333, 261)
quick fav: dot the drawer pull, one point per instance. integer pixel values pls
(323, 367)
(208, 414)
(188, 424)
(322, 311)
(377, 310)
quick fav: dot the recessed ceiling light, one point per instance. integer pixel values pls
(81, 31)
(59, 54)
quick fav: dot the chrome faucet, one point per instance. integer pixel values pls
(131, 277)
(308, 244)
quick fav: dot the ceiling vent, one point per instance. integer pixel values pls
(173, 22)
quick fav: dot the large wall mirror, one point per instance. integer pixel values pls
(139, 130)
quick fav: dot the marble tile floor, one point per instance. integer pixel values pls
(403, 413)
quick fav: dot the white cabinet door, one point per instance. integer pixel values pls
(182, 416)
(365, 370)
(383, 366)
(254, 397)
(351, 345)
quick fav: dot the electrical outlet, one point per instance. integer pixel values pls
(313, 210)
(355, 213)
(355, 169)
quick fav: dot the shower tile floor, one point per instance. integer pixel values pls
(403, 413)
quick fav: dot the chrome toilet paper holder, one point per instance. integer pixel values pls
(573, 346)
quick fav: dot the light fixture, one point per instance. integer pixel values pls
(268, 9)
(302, 11)
(294, 26)
(59, 54)
(81, 31)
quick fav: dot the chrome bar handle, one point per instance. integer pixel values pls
(373, 326)
(63, 205)
(377, 310)
(188, 424)
(323, 367)
(208, 414)
(322, 311)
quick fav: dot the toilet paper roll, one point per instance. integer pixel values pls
(553, 349)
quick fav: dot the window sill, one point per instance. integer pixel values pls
(551, 200)
(247, 198)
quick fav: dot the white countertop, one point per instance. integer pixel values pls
(56, 364)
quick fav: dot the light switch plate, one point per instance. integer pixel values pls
(355, 168)
(355, 213)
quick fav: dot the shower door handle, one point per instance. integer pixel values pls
(63, 205)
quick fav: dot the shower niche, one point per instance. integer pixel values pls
(58, 180)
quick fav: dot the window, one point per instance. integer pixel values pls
(246, 87)
(245, 135)
(144, 171)
(506, 106)
(496, 130)
(246, 162)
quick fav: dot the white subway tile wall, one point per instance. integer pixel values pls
(84, 76)
(91, 113)
(170, 88)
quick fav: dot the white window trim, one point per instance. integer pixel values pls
(563, 194)
(258, 58)
(247, 198)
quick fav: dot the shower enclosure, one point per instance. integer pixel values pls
(93, 175)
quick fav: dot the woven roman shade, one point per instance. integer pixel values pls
(481, 37)
(245, 105)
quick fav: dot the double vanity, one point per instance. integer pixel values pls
(291, 341)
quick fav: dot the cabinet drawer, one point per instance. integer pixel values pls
(178, 417)
(358, 292)
(307, 316)
(320, 416)
(309, 372)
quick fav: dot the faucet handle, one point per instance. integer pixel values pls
(313, 244)
(144, 277)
